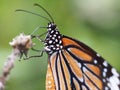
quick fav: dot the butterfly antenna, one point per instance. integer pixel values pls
(33, 14)
(45, 11)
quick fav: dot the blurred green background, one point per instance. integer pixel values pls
(96, 23)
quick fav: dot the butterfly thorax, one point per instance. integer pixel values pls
(53, 40)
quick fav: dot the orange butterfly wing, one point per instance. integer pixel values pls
(73, 65)
(50, 84)
(78, 67)
(85, 56)
(60, 76)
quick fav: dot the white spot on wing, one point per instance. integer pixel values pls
(95, 61)
(81, 79)
(114, 80)
(106, 88)
(104, 74)
(105, 63)
(84, 69)
(105, 69)
(79, 64)
(114, 72)
(98, 55)
(104, 80)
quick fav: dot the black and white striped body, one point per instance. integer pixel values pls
(53, 40)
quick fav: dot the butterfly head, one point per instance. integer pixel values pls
(51, 26)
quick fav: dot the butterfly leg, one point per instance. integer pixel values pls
(39, 37)
(35, 50)
(41, 54)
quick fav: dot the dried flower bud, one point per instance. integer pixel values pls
(23, 43)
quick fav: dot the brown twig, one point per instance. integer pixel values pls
(21, 44)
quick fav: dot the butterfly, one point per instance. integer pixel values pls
(72, 65)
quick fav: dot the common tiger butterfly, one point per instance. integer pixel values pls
(72, 65)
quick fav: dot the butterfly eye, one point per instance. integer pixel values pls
(53, 26)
